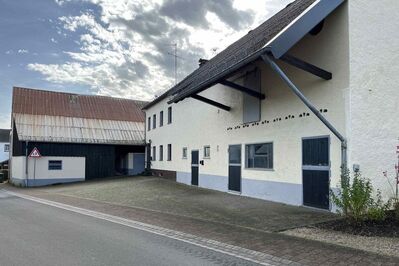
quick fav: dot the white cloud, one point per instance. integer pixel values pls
(124, 52)
(23, 51)
(53, 40)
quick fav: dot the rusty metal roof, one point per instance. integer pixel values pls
(64, 129)
(40, 102)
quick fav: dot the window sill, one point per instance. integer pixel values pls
(206, 158)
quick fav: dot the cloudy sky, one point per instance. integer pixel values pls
(120, 48)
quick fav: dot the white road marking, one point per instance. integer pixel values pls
(235, 251)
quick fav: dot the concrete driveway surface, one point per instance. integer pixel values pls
(35, 234)
(247, 223)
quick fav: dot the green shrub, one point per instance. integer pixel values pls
(355, 199)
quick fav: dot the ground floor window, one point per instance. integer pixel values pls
(161, 152)
(184, 152)
(55, 165)
(207, 152)
(259, 156)
(169, 152)
(154, 152)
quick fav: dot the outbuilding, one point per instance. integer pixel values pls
(278, 113)
(63, 137)
(4, 148)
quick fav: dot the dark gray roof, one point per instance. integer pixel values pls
(5, 135)
(239, 51)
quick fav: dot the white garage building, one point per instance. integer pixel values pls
(276, 114)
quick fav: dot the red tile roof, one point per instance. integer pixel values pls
(40, 102)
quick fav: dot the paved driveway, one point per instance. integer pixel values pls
(178, 199)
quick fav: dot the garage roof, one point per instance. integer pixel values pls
(47, 116)
(41, 102)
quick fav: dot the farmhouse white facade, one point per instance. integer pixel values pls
(272, 157)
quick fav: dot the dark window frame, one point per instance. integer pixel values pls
(6, 147)
(154, 121)
(268, 157)
(55, 165)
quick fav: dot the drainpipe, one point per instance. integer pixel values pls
(269, 60)
(26, 161)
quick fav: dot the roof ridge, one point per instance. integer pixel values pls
(78, 94)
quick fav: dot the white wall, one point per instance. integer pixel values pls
(374, 98)
(196, 124)
(73, 169)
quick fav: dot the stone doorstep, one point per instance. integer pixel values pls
(273, 245)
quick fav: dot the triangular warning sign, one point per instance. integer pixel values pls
(35, 153)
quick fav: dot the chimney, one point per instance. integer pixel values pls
(202, 61)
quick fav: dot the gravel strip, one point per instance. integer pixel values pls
(381, 245)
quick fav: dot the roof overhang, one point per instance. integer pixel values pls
(277, 46)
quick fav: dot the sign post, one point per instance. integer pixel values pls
(34, 154)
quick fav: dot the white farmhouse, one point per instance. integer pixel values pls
(4, 147)
(276, 114)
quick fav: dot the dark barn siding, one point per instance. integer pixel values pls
(101, 159)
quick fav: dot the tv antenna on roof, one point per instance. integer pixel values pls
(176, 57)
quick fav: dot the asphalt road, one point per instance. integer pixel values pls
(35, 234)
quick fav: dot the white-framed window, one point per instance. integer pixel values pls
(161, 152)
(259, 156)
(184, 153)
(149, 124)
(154, 153)
(170, 115)
(154, 121)
(161, 119)
(55, 165)
(207, 152)
(169, 152)
(6, 147)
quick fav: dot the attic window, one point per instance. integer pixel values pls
(73, 98)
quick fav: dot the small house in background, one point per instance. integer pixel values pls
(4, 148)
(62, 137)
